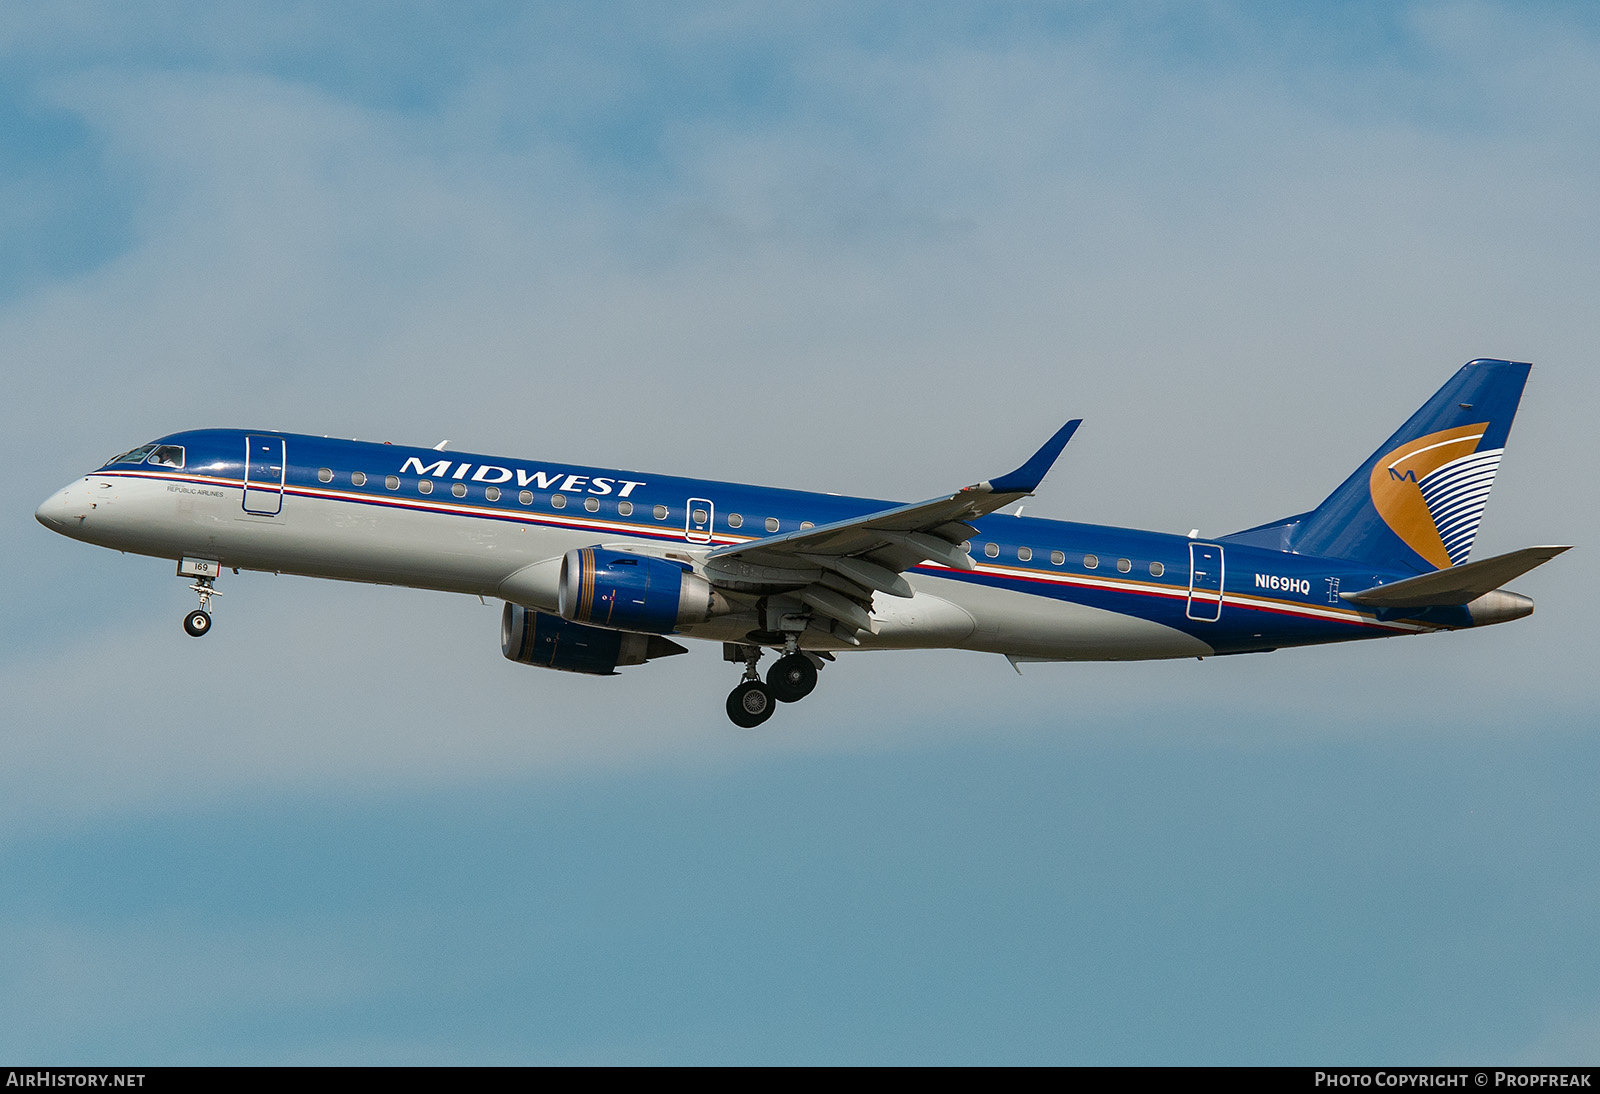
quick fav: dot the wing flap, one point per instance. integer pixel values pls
(868, 575)
(837, 606)
(841, 584)
(936, 548)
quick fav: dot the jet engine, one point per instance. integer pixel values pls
(538, 638)
(634, 592)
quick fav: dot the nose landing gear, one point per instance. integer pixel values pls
(198, 622)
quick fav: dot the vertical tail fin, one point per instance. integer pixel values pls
(1417, 501)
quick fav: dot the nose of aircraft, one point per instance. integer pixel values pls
(64, 509)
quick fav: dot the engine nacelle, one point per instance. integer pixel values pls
(633, 592)
(538, 638)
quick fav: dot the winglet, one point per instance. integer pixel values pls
(1026, 478)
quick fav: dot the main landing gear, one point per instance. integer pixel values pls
(791, 678)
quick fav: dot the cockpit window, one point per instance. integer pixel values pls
(136, 456)
(168, 455)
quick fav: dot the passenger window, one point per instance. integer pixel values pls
(1156, 569)
(625, 508)
(459, 489)
(168, 455)
(558, 501)
(324, 474)
(592, 504)
(492, 493)
(1025, 553)
(358, 478)
(1123, 565)
(425, 486)
(992, 550)
(735, 520)
(392, 482)
(526, 497)
(661, 512)
(772, 524)
(1091, 562)
(1057, 558)
(806, 524)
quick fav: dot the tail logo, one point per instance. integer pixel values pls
(1431, 491)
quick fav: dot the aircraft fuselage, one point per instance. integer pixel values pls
(497, 526)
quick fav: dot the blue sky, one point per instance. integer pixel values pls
(864, 248)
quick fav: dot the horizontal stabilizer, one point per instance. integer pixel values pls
(1456, 585)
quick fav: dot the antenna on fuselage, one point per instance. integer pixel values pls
(440, 446)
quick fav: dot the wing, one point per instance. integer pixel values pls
(836, 568)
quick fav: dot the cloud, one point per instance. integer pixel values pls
(882, 261)
(1572, 1040)
(860, 249)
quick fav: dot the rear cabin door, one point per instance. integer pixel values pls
(263, 475)
(1205, 582)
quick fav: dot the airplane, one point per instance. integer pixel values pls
(597, 567)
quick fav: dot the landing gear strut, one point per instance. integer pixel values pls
(198, 622)
(752, 702)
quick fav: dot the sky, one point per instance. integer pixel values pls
(877, 249)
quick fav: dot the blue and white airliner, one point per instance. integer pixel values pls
(598, 566)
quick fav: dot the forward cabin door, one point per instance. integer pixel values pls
(263, 475)
(1205, 582)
